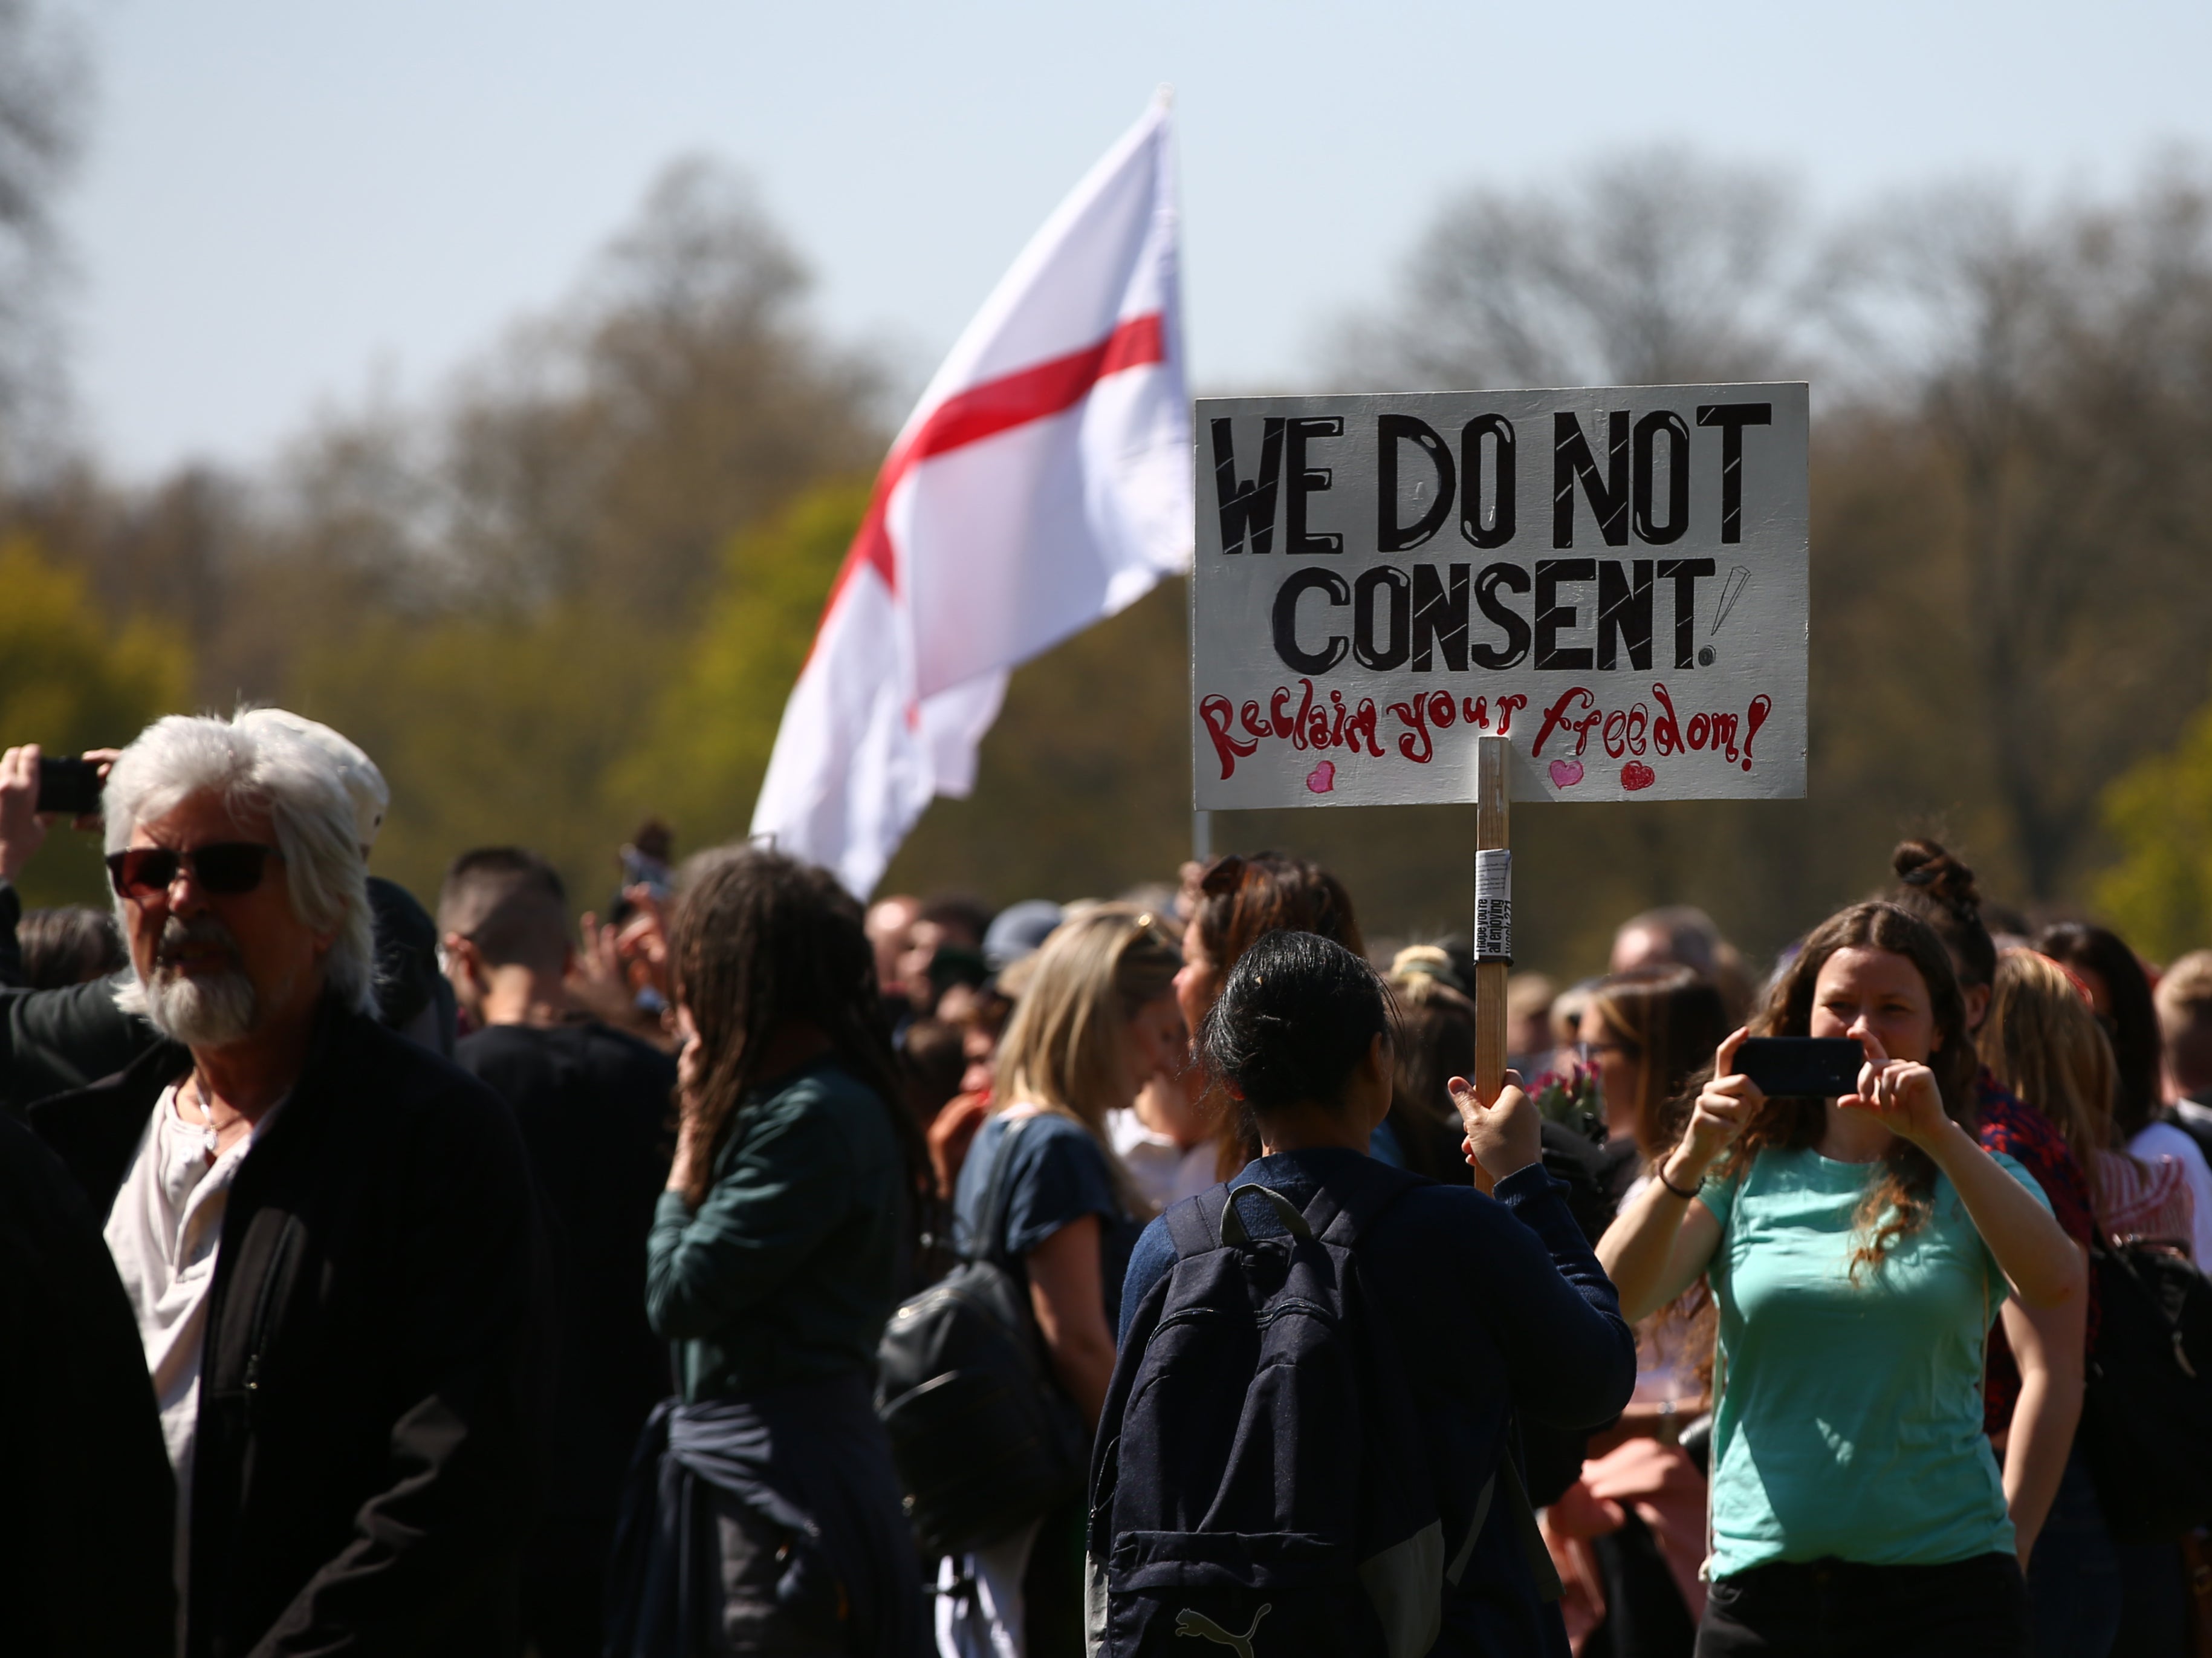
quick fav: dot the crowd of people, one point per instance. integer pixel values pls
(740, 1269)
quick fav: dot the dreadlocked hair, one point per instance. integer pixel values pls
(761, 943)
(1896, 1204)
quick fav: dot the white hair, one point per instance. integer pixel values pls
(364, 783)
(261, 766)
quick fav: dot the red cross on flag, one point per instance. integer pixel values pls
(1042, 483)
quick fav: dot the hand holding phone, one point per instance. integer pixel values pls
(22, 831)
(1800, 1067)
(1723, 1105)
(1904, 1093)
(35, 788)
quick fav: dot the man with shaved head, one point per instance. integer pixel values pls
(593, 1105)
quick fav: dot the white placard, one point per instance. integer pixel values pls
(1615, 580)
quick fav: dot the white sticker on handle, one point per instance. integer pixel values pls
(1493, 906)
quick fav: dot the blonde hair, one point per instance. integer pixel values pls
(2184, 995)
(2041, 1040)
(1065, 1049)
(1420, 973)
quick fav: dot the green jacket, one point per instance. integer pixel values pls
(789, 1269)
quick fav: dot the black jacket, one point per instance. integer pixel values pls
(86, 1508)
(593, 1106)
(370, 1408)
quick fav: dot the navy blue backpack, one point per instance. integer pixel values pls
(1259, 1480)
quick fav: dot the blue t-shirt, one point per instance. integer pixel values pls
(1058, 1174)
(1851, 1413)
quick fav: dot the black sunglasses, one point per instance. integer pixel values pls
(226, 867)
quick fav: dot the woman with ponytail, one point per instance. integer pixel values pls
(1857, 1249)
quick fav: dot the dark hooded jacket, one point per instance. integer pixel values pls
(88, 1509)
(372, 1389)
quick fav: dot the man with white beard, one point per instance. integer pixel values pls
(57, 1039)
(328, 1234)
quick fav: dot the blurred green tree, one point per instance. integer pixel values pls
(492, 732)
(70, 680)
(705, 750)
(2159, 813)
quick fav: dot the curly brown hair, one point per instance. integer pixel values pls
(1897, 1204)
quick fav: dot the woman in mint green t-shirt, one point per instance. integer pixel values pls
(1857, 1249)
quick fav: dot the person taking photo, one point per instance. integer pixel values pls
(1858, 1249)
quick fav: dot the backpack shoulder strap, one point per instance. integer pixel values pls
(1195, 1224)
(1342, 1210)
(983, 1245)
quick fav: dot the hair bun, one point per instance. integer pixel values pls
(1926, 865)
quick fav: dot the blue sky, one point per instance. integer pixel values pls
(286, 205)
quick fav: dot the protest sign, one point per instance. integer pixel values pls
(1615, 581)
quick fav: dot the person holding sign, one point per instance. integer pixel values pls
(1858, 1248)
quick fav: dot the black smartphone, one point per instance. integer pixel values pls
(1802, 1067)
(70, 788)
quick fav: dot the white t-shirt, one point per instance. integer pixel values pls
(2164, 1140)
(162, 1230)
(1164, 1172)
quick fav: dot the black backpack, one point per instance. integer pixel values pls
(2147, 1417)
(984, 1440)
(1259, 1457)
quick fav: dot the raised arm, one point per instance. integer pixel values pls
(1571, 1355)
(1659, 1243)
(22, 832)
(2032, 1249)
(784, 1192)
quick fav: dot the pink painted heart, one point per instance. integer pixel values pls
(1565, 774)
(1322, 777)
(1635, 775)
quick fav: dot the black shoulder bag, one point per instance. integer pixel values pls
(2146, 1421)
(984, 1440)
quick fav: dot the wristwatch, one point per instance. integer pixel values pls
(1670, 1431)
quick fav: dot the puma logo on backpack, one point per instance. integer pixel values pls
(1197, 1623)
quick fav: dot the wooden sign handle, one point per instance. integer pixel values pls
(1493, 817)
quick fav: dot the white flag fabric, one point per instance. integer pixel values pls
(1042, 483)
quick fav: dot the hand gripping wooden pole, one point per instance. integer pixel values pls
(1493, 912)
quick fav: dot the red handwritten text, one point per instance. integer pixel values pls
(1237, 732)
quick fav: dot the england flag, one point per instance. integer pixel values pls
(1043, 482)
